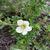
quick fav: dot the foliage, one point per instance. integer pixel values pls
(13, 10)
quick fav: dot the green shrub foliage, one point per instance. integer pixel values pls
(34, 11)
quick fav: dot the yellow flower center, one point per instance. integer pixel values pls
(23, 26)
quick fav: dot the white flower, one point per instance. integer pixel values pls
(23, 27)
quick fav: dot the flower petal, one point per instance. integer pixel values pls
(24, 32)
(26, 23)
(29, 28)
(19, 29)
(19, 22)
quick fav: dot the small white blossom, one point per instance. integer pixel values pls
(23, 27)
